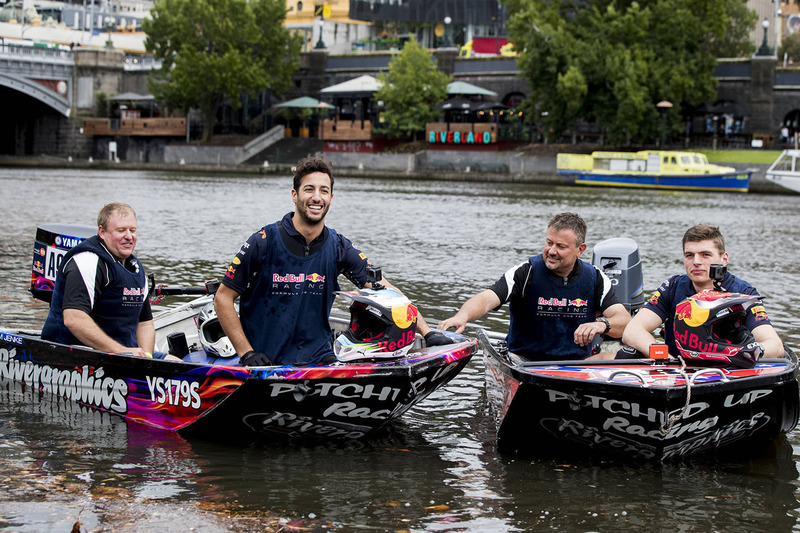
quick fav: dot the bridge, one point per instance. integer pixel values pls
(43, 73)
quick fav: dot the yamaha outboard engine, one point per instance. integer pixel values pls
(52, 243)
(618, 258)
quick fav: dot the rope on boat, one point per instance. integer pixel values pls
(674, 418)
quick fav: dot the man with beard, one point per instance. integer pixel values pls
(286, 275)
(558, 303)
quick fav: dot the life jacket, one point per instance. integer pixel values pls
(285, 311)
(544, 321)
(117, 307)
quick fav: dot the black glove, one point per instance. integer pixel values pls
(253, 358)
(627, 352)
(437, 339)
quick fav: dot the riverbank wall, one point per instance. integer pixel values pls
(494, 167)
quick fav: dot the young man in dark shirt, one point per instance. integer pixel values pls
(703, 246)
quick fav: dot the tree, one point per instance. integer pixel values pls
(609, 62)
(412, 85)
(790, 46)
(213, 49)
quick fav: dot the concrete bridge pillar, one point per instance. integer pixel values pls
(96, 71)
(762, 94)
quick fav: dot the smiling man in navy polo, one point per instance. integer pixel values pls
(286, 275)
(557, 302)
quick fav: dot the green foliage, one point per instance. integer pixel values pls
(610, 62)
(101, 105)
(412, 85)
(213, 49)
(790, 45)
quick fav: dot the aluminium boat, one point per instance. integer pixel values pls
(645, 409)
(211, 395)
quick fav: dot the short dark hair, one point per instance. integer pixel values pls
(309, 165)
(113, 207)
(571, 221)
(704, 232)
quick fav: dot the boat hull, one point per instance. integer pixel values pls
(789, 181)
(726, 182)
(785, 170)
(229, 401)
(636, 409)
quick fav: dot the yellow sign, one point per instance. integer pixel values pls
(322, 10)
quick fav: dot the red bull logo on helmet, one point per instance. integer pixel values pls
(404, 315)
(692, 314)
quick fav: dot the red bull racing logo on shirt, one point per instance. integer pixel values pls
(298, 283)
(298, 278)
(562, 306)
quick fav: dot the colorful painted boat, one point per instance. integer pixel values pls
(785, 171)
(637, 409)
(216, 396)
(211, 397)
(653, 169)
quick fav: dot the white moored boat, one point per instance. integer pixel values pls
(785, 171)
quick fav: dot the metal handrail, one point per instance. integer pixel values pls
(631, 372)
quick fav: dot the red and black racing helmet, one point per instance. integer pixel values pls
(709, 327)
(383, 324)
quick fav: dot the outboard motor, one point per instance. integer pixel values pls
(52, 243)
(618, 258)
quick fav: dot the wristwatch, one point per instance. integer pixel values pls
(605, 321)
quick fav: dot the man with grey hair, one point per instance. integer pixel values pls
(100, 294)
(558, 303)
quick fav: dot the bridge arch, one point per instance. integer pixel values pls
(37, 91)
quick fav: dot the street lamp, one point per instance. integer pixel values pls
(447, 21)
(764, 50)
(664, 105)
(320, 43)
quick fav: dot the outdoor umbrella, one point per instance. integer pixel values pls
(361, 86)
(462, 87)
(305, 102)
(488, 106)
(131, 97)
(454, 104)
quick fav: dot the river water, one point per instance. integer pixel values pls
(435, 470)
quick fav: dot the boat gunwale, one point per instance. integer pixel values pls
(463, 349)
(524, 375)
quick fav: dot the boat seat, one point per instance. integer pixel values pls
(200, 356)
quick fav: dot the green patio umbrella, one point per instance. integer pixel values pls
(467, 89)
(305, 102)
